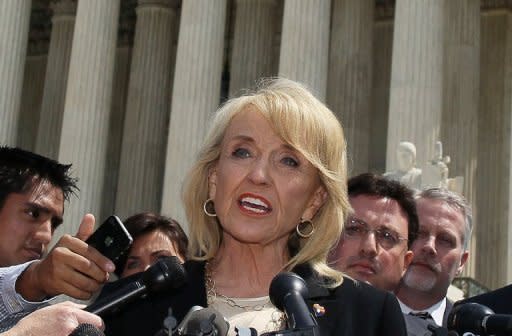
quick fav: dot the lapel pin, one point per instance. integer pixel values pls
(319, 310)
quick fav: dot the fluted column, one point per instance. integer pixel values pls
(305, 43)
(251, 59)
(145, 137)
(52, 107)
(381, 69)
(88, 102)
(33, 86)
(459, 131)
(350, 75)
(14, 26)
(195, 94)
(116, 124)
(493, 231)
(416, 78)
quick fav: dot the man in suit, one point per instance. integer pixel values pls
(440, 253)
(374, 246)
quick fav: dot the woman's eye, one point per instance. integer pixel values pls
(290, 162)
(241, 153)
(132, 265)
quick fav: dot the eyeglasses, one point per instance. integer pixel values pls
(357, 230)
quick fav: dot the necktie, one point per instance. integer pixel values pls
(423, 315)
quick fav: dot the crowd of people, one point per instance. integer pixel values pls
(268, 193)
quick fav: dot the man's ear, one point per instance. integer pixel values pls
(463, 260)
(212, 182)
(319, 198)
(409, 255)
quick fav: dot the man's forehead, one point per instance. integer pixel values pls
(439, 213)
(47, 195)
(364, 202)
(383, 209)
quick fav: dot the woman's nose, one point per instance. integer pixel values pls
(259, 171)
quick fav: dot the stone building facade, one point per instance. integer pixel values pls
(124, 89)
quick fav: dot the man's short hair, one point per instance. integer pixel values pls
(376, 185)
(457, 202)
(21, 170)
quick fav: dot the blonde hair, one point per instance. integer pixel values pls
(306, 124)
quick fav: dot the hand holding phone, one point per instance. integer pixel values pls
(111, 239)
(71, 267)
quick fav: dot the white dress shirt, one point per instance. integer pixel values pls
(436, 310)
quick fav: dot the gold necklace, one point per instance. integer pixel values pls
(211, 293)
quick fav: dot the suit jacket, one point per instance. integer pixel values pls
(353, 308)
(417, 326)
(499, 300)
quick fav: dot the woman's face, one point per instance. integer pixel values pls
(145, 251)
(261, 186)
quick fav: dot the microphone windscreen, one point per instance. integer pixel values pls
(467, 317)
(282, 285)
(167, 272)
(86, 329)
(199, 320)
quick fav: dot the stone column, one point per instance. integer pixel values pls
(14, 27)
(195, 94)
(350, 75)
(493, 230)
(88, 102)
(32, 93)
(305, 43)
(459, 131)
(416, 78)
(253, 41)
(382, 53)
(116, 123)
(52, 107)
(145, 137)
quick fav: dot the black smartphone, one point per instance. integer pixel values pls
(111, 239)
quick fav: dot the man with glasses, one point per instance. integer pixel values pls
(440, 253)
(374, 246)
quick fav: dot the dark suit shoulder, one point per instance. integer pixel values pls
(499, 300)
(360, 309)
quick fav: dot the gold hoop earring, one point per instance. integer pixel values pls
(304, 223)
(209, 208)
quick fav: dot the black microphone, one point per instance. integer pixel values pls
(479, 319)
(86, 329)
(287, 292)
(201, 321)
(166, 273)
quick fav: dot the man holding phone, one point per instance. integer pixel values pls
(33, 189)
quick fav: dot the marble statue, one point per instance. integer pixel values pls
(407, 172)
(436, 173)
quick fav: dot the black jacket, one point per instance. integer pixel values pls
(499, 300)
(353, 308)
